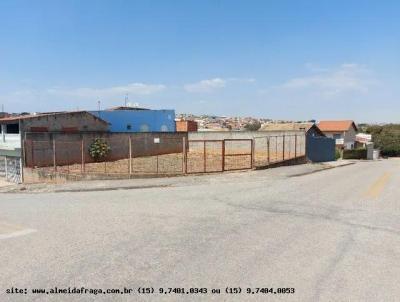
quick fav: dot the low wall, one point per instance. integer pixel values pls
(32, 176)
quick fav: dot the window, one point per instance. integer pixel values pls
(337, 136)
(129, 127)
(12, 128)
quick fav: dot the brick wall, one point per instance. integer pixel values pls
(186, 126)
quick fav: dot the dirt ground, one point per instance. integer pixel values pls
(174, 163)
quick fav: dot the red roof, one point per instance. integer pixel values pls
(331, 126)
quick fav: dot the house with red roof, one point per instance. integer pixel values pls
(344, 132)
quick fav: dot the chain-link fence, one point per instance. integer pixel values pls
(152, 154)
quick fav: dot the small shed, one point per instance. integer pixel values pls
(186, 126)
(310, 128)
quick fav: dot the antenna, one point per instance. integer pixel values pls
(98, 105)
(126, 99)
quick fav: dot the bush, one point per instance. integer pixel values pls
(355, 154)
(253, 126)
(337, 154)
(99, 149)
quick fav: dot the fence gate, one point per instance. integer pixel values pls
(238, 154)
(203, 156)
(10, 168)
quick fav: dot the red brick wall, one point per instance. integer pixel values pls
(186, 126)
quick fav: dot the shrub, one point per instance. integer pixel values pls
(337, 154)
(386, 138)
(253, 126)
(99, 149)
(355, 154)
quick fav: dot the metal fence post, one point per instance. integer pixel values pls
(130, 154)
(82, 156)
(268, 152)
(33, 153)
(54, 155)
(158, 152)
(204, 157)
(223, 155)
(5, 166)
(184, 156)
(252, 153)
(283, 147)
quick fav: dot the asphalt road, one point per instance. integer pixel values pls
(332, 236)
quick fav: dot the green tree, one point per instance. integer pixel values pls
(386, 138)
(253, 126)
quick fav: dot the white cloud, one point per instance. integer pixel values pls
(329, 82)
(214, 84)
(205, 85)
(61, 98)
(109, 92)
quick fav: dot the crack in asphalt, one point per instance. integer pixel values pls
(342, 249)
(328, 217)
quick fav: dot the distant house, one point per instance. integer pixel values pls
(3, 114)
(319, 148)
(186, 126)
(133, 119)
(344, 132)
(363, 139)
(310, 128)
(14, 127)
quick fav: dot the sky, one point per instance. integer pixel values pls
(292, 60)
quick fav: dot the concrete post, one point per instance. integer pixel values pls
(5, 167)
(3, 133)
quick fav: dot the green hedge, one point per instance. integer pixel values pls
(355, 154)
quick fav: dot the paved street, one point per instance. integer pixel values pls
(332, 235)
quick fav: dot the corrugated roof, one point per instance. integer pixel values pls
(290, 127)
(126, 108)
(286, 126)
(331, 126)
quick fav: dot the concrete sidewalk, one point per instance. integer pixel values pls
(4, 183)
(176, 181)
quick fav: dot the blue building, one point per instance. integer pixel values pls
(131, 119)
